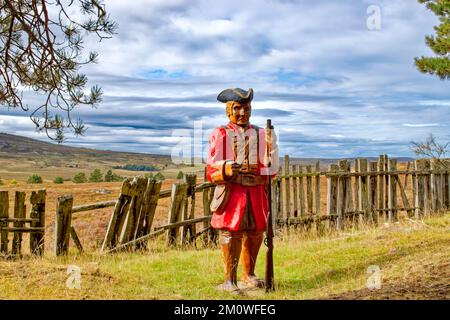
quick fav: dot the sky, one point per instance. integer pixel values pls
(337, 77)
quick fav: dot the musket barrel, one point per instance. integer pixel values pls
(269, 276)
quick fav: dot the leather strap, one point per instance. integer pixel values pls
(249, 180)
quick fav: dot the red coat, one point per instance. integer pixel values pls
(222, 147)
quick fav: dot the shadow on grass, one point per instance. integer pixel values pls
(354, 271)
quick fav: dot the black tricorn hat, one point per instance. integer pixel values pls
(235, 94)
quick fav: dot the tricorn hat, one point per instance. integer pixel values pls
(235, 94)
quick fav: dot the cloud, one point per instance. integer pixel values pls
(421, 125)
(331, 86)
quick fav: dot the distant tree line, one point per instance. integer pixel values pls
(80, 177)
(137, 167)
(97, 176)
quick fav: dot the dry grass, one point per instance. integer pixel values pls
(413, 257)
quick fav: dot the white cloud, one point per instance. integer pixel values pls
(420, 125)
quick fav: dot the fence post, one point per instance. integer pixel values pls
(408, 165)
(295, 189)
(317, 170)
(309, 191)
(19, 213)
(427, 187)
(4, 214)
(447, 184)
(372, 194)
(386, 184)
(148, 209)
(358, 189)
(287, 188)
(126, 221)
(63, 222)
(340, 202)
(381, 185)
(439, 184)
(139, 214)
(189, 230)
(37, 201)
(442, 190)
(419, 195)
(116, 221)
(348, 189)
(138, 186)
(404, 197)
(331, 195)
(362, 187)
(413, 185)
(301, 192)
(392, 195)
(175, 210)
(208, 194)
(434, 185)
(274, 207)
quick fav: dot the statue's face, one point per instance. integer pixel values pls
(239, 113)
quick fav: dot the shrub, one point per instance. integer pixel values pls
(13, 182)
(80, 177)
(1, 182)
(180, 175)
(109, 176)
(116, 177)
(58, 180)
(159, 177)
(112, 177)
(96, 176)
(34, 179)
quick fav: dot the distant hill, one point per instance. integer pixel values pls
(19, 147)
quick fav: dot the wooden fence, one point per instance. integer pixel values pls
(370, 192)
(36, 221)
(131, 222)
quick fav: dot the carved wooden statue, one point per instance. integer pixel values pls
(237, 163)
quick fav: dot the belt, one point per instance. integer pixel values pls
(249, 180)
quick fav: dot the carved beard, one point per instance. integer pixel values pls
(236, 119)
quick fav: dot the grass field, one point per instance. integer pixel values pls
(413, 256)
(414, 259)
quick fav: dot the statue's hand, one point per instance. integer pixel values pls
(232, 168)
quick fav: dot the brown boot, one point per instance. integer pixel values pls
(231, 243)
(251, 243)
